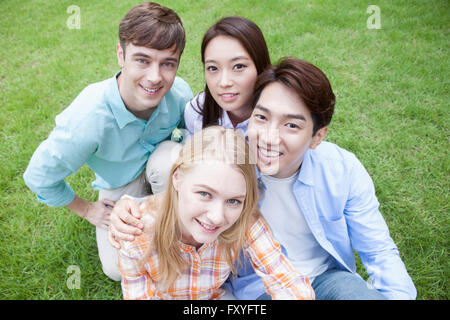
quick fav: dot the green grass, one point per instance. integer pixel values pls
(392, 90)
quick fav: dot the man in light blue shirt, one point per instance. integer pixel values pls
(113, 126)
(318, 199)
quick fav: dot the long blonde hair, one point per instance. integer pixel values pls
(211, 144)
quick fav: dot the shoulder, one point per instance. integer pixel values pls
(98, 88)
(193, 113)
(328, 151)
(137, 248)
(93, 94)
(195, 105)
(333, 167)
(181, 89)
(258, 227)
(86, 109)
(330, 166)
(151, 206)
(329, 156)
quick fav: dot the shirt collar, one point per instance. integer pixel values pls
(162, 107)
(188, 248)
(226, 121)
(306, 174)
(258, 179)
(118, 108)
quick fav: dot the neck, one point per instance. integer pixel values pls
(144, 114)
(240, 115)
(189, 240)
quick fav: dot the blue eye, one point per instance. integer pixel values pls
(234, 202)
(204, 194)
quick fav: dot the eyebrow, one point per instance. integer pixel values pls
(286, 115)
(141, 54)
(215, 191)
(232, 60)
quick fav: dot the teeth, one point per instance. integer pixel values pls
(206, 227)
(228, 95)
(150, 90)
(269, 153)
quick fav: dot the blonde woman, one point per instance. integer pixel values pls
(195, 230)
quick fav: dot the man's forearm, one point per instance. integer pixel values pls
(79, 206)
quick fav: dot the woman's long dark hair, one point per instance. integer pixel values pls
(251, 38)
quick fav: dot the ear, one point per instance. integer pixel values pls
(176, 179)
(120, 55)
(318, 137)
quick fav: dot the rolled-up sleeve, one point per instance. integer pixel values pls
(60, 155)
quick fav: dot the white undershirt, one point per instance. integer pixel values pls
(288, 225)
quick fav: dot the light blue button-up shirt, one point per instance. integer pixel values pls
(98, 130)
(337, 197)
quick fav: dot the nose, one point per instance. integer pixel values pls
(216, 214)
(225, 79)
(269, 136)
(153, 74)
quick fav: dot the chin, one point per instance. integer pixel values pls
(269, 170)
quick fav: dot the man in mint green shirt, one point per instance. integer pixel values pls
(113, 126)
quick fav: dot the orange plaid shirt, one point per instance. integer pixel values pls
(208, 269)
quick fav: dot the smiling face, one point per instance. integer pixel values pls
(281, 129)
(147, 75)
(211, 198)
(230, 75)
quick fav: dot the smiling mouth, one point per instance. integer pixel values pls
(150, 91)
(206, 227)
(229, 96)
(269, 153)
(268, 156)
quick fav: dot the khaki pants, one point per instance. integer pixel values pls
(157, 174)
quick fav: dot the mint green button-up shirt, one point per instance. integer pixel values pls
(98, 130)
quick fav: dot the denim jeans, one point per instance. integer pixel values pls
(336, 284)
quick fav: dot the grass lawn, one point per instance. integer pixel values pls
(391, 84)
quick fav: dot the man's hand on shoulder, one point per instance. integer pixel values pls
(125, 221)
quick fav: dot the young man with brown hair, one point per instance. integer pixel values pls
(114, 126)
